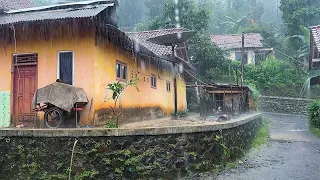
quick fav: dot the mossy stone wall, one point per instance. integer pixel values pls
(162, 156)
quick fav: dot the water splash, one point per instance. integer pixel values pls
(306, 88)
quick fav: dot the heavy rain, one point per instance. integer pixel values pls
(160, 89)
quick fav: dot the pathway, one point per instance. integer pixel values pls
(292, 153)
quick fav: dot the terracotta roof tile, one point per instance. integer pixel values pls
(233, 41)
(158, 50)
(16, 4)
(316, 35)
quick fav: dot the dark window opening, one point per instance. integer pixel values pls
(168, 85)
(121, 71)
(124, 72)
(245, 57)
(219, 102)
(66, 67)
(118, 70)
(153, 81)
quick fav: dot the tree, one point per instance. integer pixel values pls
(130, 13)
(117, 89)
(297, 13)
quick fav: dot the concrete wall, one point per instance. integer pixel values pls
(284, 105)
(251, 55)
(154, 153)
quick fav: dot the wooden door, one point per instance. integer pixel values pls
(25, 86)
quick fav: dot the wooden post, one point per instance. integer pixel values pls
(174, 84)
(242, 58)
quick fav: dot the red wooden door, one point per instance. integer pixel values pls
(25, 78)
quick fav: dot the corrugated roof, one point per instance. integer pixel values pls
(16, 4)
(233, 41)
(316, 35)
(62, 6)
(159, 50)
(87, 11)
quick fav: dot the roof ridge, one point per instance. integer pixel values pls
(234, 34)
(157, 30)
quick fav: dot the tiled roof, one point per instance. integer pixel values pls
(86, 11)
(233, 41)
(159, 50)
(16, 4)
(316, 35)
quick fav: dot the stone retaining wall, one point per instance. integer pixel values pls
(284, 105)
(152, 153)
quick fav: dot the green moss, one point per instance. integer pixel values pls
(193, 154)
(107, 161)
(262, 135)
(118, 172)
(315, 131)
(86, 175)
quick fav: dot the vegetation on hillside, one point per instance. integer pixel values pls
(314, 117)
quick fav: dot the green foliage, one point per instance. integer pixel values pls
(112, 123)
(86, 175)
(262, 135)
(117, 89)
(296, 13)
(314, 114)
(192, 15)
(235, 15)
(273, 72)
(300, 12)
(255, 96)
(315, 131)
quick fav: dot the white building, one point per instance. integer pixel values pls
(254, 51)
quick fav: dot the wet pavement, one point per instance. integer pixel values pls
(291, 153)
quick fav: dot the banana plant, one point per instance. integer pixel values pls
(303, 52)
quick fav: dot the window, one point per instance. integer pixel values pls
(153, 81)
(316, 53)
(121, 71)
(168, 85)
(245, 57)
(65, 67)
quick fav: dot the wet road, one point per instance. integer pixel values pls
(292, 153)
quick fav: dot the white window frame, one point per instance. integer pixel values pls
(58, 64)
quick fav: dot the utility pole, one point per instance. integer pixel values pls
(242, 71)
(242, 59)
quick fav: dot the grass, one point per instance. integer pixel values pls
(315, 131)
(262, 135)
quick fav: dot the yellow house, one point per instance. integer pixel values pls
(80, 44)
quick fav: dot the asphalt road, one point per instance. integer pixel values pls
(292, 153)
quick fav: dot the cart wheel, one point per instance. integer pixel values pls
(53, 117)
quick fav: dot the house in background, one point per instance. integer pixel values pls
(314, 61)
(80, 44)
(254, 51)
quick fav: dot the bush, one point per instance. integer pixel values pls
(112, 123)
(314, 114)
